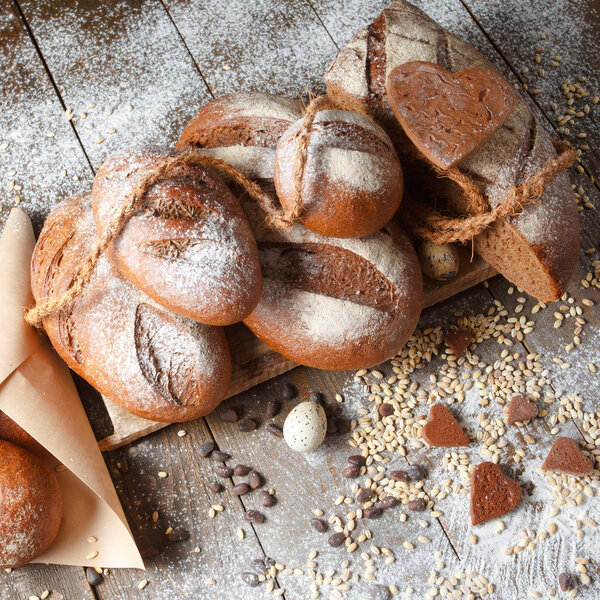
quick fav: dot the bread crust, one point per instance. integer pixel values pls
(13, 432)
(191, 249)
(30, 506)
(153, 363)
(531, 249)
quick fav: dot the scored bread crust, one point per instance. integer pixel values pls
(153, 363)
(334, 303)
(190, 248)
(538, 249)
(30, 506)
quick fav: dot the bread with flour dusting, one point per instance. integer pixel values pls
(351, 183)
(242, 129)
(335, 303)
(30, 506)
(190, 248)
(13, 432)
(153, 363)
(537, 249)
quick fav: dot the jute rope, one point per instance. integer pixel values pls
(132, 204)
(426, 222)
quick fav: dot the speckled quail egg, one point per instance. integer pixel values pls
(439, 261)
(305, 427)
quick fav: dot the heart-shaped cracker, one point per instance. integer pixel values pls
(565, 457)
(521, 410)
(458, 340)
(443, 429)
(448, 115)
(493, 493)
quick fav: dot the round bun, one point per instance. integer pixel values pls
(332, 303)
(242, 129)
(30, 506)
(352, 181)
(153, 363)
(191, 249)
(12, 432)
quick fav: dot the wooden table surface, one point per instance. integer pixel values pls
(133, 72)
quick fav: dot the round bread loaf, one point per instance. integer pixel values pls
(12, 432)
(352, 182)
(30, 506)
(191, 249)
(242, 129)
(336, 304)
(153, 363)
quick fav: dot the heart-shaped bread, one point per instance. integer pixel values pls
(521, 410)
(493, 493)
(458, 340)
(448, 115)
(443, 429)
(565, 457)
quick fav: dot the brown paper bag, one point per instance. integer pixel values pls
(37, 391)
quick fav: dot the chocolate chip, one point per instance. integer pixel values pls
(372, 512)
(228, 416)
(254, 479)
(332, 426)
(253, 516)
(92, 576)
(564, 581)
(343, 425)
(241, 470)
(258, 566)
(416, 472)
(379, 592)
(319, 525)
(337, 539)
(214, 486)
(267, 500)
(246, 425)
(315, 396)
(273, 408)
(122, 466)
(351, 472)
(385, 410)
(240, 489)
(417, 505)
(223, 471)
(388, 502)
(275, 430)
(205, 448)
(400, 475)
(250, 579)
(179, 534)
(364, 495)
(288, 391)
(150, 552)
(357, 459)
(219, 456)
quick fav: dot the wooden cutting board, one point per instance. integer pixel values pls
(254, 362)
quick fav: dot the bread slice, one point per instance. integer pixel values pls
(536, 250)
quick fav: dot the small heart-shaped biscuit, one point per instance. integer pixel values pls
(565, 457)
(493, 494)
(521, 410)
(458, 340)
(448, 115)
(443, 429)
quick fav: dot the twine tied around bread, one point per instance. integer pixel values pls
(133, 203)
(428, 223)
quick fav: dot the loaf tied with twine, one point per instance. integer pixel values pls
(132, 204)
(427, 223)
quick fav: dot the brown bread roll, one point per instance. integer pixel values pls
(537, 250)
(12, 432)
(242, 129)
(191, 249)
(153, 363)
(30, 506)
(352, 181)
(332, 303)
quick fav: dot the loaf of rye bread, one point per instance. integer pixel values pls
(30, 506)
(153, 363)
(190, 248)
(242, 129)
(13, 432)
(335, 303)
(537, 249)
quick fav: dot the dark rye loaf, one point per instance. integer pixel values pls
(536, 250)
